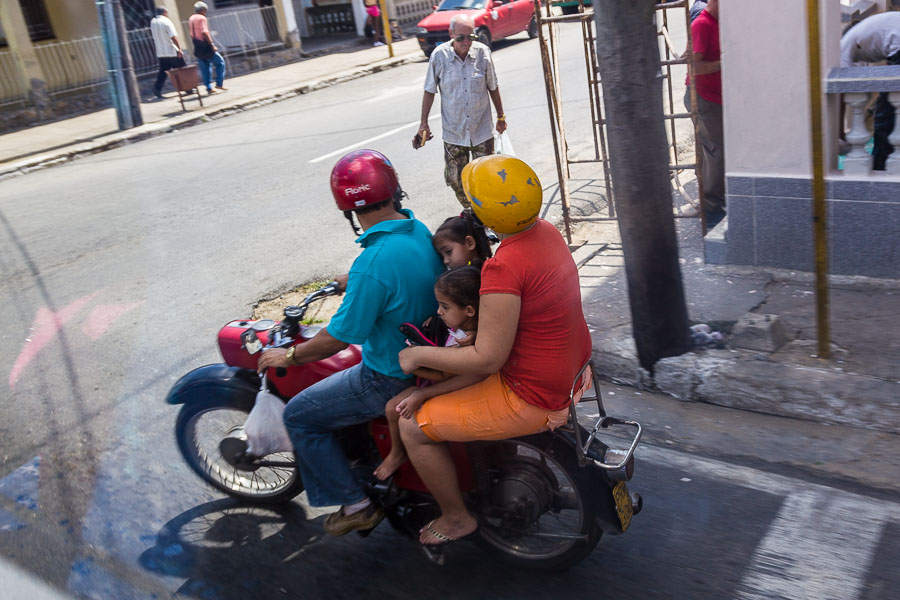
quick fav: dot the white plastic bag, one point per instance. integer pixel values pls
(264, 427)
(502, 145)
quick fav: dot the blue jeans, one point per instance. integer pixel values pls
(205, 67)
(356, 395)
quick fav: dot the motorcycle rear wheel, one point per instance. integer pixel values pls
(560, 537)
(200, 428)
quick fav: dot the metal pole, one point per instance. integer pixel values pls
(386, 27)
(820, 232)
(113, 62)
(551, 102)
(132, 93)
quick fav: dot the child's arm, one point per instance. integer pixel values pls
(431, 374)
(411, 403)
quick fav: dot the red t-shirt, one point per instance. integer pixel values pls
(705, 34)
(552, 339)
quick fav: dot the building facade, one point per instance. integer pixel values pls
(768, 149)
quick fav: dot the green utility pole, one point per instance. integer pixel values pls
(122, 81)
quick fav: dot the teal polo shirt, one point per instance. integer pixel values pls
(390, 283)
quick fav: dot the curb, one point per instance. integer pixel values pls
(748, 380)
(116, 140)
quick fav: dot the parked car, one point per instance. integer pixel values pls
(494, 20)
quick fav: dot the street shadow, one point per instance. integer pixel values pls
(230, 550)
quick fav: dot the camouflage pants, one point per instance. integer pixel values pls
(457, 157)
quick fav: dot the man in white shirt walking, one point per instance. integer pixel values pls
(463, 71)
(168, 50)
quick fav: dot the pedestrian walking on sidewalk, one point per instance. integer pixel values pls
(205, 50)
(463, 70)
(168, 50)
(373, 21)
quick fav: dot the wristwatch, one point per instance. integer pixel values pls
(289, 356)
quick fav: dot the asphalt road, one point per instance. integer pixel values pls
(117, 270)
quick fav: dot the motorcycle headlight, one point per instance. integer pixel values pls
(421, 30)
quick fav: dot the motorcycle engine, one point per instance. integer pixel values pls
(523, 491)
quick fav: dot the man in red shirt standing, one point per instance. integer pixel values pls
(708, 78)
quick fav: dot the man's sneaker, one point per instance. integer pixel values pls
(338, 523)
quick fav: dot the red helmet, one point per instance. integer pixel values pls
(363, 178)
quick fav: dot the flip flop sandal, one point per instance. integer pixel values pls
(445, 539)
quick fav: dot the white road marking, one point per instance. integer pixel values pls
(821, 543)
(818, 547)
(19, 583)
(754, 479)
(398, 91)
(371, 139)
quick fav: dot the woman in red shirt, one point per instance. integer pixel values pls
(532, 341)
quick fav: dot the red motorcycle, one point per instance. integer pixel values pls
(543, 501)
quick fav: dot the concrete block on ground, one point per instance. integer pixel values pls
(763, 332)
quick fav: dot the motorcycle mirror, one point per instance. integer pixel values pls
(251, 342)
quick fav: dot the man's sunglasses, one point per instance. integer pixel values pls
(462, 38)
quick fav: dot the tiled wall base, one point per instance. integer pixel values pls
(770, 224)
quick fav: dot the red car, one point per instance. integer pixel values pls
(494, 20)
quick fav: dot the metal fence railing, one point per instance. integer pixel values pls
(74, 64)
(12, 84)
(143, 51)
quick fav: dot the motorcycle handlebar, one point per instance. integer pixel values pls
(332, 288)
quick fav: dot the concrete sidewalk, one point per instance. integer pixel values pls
(61, 141)
(767, 363)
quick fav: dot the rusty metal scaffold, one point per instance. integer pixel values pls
(548, 37)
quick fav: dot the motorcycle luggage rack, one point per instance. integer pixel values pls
(582, 447)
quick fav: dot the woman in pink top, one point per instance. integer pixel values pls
(205, 50)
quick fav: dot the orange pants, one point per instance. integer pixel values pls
(488, 410)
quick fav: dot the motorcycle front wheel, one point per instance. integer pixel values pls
(200, 430)
(565, 531)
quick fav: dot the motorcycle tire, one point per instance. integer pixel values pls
(260, 485)
(520, 550)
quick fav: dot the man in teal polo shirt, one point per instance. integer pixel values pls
(391, 282)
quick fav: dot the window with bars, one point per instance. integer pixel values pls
(36, 19)
(232, 3)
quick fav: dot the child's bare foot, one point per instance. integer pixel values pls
(393, 461)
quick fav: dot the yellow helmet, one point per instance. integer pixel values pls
(505, 192)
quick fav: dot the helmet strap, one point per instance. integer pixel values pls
(349, 215)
